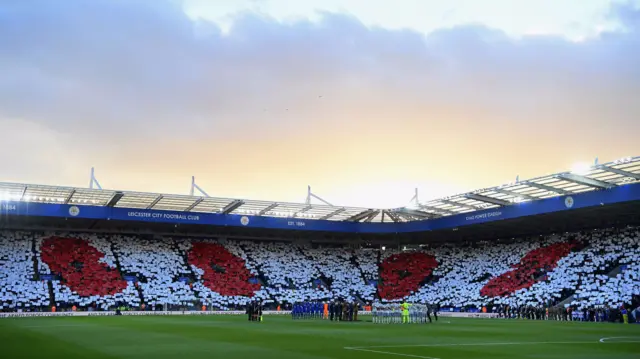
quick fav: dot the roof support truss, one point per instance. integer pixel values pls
(267, 209)
(155, 201)
(436, 210)
(194, 204)
(362, 215)
(621, 172)
(69, 196)
(308, 207)
(487, 199)
(392, 215)
(459, 205)
(24, 192)
(232, 206)
(515, 194)
(115, 198)
(544, 187)
(586, 181)
(406, 216)
(333, 214)
(415, 213)
(371, 216)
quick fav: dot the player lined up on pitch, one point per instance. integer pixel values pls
(404, 313)
(339, 311)
(254, 311)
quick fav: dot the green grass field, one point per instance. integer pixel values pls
(232, 337)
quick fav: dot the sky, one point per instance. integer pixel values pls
(362, 100)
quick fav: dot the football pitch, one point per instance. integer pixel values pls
(233, 337)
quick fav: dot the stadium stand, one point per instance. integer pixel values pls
(535, 263)
(367, 261)
(158, 266)
(288, 272)
(19, 288)
(402, 273)
(338, 266)
(590, 269)
(223, 279)
(87, 271)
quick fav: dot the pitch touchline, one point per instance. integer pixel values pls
(55, 326)
(370, 350)
(609, 340)
(464, 344)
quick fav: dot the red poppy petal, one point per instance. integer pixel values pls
(524, 273)
(232, 278)
(91, 277)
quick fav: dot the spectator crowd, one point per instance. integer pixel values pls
(594, 273)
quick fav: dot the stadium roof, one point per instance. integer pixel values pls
(588, 178)
(598, 177)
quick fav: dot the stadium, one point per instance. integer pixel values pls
(544, 267)
(375, 179)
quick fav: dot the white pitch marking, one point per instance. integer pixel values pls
(369, 348)
(53, 326)
(465, 344)
(608, 340)
(390, 353)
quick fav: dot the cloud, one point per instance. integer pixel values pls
(139, 84)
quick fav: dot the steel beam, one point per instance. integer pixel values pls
(155, 201)
(621, 172)
(393, 216)
(268, 209)
(69, 196)
(461, 205)
(115, 198)
(435, 209)
(372, 216)
(333, 214)
(308, 207)
(586, 181)
(416, 214)
(360, 216)
(24, 192)
(194, 204)
(487, 199)
(548, 188)
(515, 194)
(232, 206)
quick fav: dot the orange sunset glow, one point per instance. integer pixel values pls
(149, 93)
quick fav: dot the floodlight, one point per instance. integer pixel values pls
(581, 168)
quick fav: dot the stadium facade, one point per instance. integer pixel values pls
(62, 247)
(602, 195)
